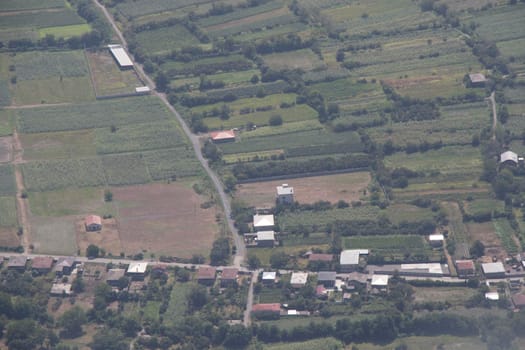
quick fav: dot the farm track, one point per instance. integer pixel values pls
(37, 105)
(21, 203)
(195, 140)
(494, 114)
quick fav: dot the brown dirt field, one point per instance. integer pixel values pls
(256, 18)
(108, 238)
(332, 188)
(8, 237)
(164, 219)
(6, 149)
(486, 234)
(410, 82)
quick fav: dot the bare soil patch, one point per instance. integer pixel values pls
(164, 219)
(6, 149)
(411, 82)
(348, 187)
(108, 238)
(485, 233)
(8, 237)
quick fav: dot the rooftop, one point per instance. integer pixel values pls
(351, 257)
(508, 156)
(61, 288)
(269, 275)
(436, 238)
(380, 280)
(206, 273)
(321, 257)
(299, 278)
(93, 219)
(222, 135)
(120, 55)
(142, 89)
(229, 273)
(65, 261)
(494, 267)
(275, 307)
(17, 261)
(137, 267)
(115, 274)
(433, 268)
(465, 264)
(284, 189)
(42, 262)
(477, 78)
(263, 220)
(518, 300)
(492, 296)
(326, 276)
(266, 236)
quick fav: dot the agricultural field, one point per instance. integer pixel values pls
(54, 235)
(305, 60)
(332, 188)
(163, 40)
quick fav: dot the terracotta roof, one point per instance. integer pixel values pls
(321, 257)
(42, 262)
(464, 264)
(229, 274)
(320, 290)
(275, 307)
(206, 273)
(477, 78)
(518, 300)
(222, 135)
(93, 219)
(62, 262)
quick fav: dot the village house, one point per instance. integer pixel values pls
(265, 239)
(64, 266)
(114, 275)
(42, 264)
(263, 222)
(284, 194)
(465, 268)
(93, 223)
(436, 240)
(222, 136)
(493, 270)
(299, 279)
(508, 158)
(137, 270)
(206, 275)
(61, 289)
(326, 278)
(266, 310)
(229, 277)
(269, 277)
(349, 259)
(477, 80)
(380, 282)
(17, 262)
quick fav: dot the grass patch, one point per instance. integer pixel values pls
(36, 65)
(71, 201)
(506, 234)
(323, 343)
(54, 236)
(58, 145)
(53, 90)
(178, 162)
(163, 40)
(65, 31)
(7, 180)
(125, 169)
(18, 5)
(304, 59)
(8, 216)
(178, 304)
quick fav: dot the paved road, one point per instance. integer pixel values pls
(225, 200)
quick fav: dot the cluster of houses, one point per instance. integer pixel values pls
(208, 275)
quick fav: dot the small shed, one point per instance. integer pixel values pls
(493, 270)
(263, 222)
(326, 278)
(436, 240)
(142, 90)
(93, 223)
(477, 80)
(299, 279)
(121, 56)
(229, 277)
(206, 275)
(137, 270)
(42, 264)
(114, 275)
(380, 281)
(17, 262)
(269, 277)
(494, 296)
(284, 194)
(508, 158)
(61, 289)
(222, 136)
(465, 268)
(265, 239)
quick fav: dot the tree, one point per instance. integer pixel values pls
(275, 120)
(253, 261)
(238, 336)
(254, 79)
(197, 298)
(477, 249)
(108, 196)
(123, 282)
(71, 322)
(92, 251)
(78, 285)
(109, 339)
(220, 251)
(6, 305)
(162, 81)
(340, 55)
(24, 334)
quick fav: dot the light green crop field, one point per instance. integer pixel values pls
(8, 209)
(19, 5)
(58, 145)
(7, 180)
(304, 59)
(65, 31)
(163, 40)
(53, 90)
(54, 235)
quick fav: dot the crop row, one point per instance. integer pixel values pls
(18, 5)
(41, 19)
(42, 65)
(390, 242)
(249, 26)
(91, 115)
(146, 7)
(239, 14)
(8, 210)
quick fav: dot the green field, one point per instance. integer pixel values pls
(42, 19)
(125, 169)
(390, 242)
(65, 31)
(58, 145)
(54, 235)
(323, 343)
(304, 59)
(7, 180)
(18, 5)
(8, 210)
(506, 234)
(163, 40)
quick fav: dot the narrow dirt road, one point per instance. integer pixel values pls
(21, 203)
(238, 240)
(494, 114)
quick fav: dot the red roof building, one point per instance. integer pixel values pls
(93, 223)
(275, 307)
(229, 277)
(222, 136)
(465, 267)
(206, 275)
(42, 264)
(321, 257)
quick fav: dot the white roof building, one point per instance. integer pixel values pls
(492, 296)
(142, 89)
(61, 289)
(380, 281)
(299, 279)
(121, 56)
(508, 156)
(263, 221)
(351, 256)
(436, 238)
(431, 268)
(269, 276)
(493, 268)
(284, 190)
(137, 267)
(265, 236)
(477, 78)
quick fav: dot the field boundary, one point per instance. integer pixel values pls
(296, 176)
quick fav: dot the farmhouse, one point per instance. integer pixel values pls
(268, 277)
(436, 240)
(114, 275)
(519, 301)
(465, 268)
(284, 194)
(121, 56)
(61, 289)
(263, 222)
(326, 278)
(64, 265)
(477, 80)
(266, 310)
(206, 275)
(137, 270)
(93, 223)
(493, 270)
(299, 279)
(508, 158)
(229, 277)
(222, 136)
(17, 262)
(349, 259)
(380, 281)
(265, 239)
(42, 264)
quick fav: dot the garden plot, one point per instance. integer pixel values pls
(108, 238)
(54, 235)
(165, 39)
(58, 145)
(304, 59)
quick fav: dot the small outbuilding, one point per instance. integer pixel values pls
(519, 301)
(114, 275)
(17, 262)
(137, 270)
(42, 264)
(299, 279)
(380, 281)
(269, 277)
(326, 278)
(494, 296)
(206, 275)
(263, 222)
(93, 223)
(229, 277)
(142, 90)
(349, 259)
(61, 289)
(284, 194)
(320, 257)
(493, 270)
(222, 136)
(508, 158)
(265, 239)
(436, 240)
(465, 268)
(121, 56)
(476, 80)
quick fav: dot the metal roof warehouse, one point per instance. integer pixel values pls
(121, 56)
